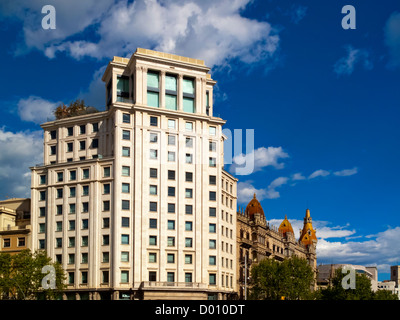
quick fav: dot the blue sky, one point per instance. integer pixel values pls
(323, 101)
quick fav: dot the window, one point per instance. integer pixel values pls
(153, 137)
(188, 277)
(84, 277)
(189, 193)
(171, 174)
(212, 228)
(171, 224)
(106, 205)
(152, 240)
(171, 124)
(71, 225)
(154, 121)
(70, 146)
(70, 131)
(72, 208)
(21, 242)
(106, 223)
(60, 176)
(124, 238)
(171, 140)
(171, 241)
(125, 187)
(124, 276)
(124, 256)
(188, 260)
(85, 190)
(212, 260)
(152, 257)
(188, 209)
(171, 191)
(170, 276)
(125, 204)
(188, 225)
(82, 129)
(188, 95)
(212, 162)
(122, 88)
(126, 171)
(189, 142)
(42, 195)
(126, 135)
(152, 276)
(106, 172)
(212, 146)
(126, 151)
(170, 92)
(85, 206)
(153, 206)
(71, 258)
(188, 242)
(212, 244)
(105, 276)
(106, 188)
(189, 158)
(208, 102)
(212, 131)
(189, 176)
(95, 143)
(72, 175)
(153, 89)
(59, 209)
(153, 173)
(106, 257)
(171, 156)
(212, 196)
(171, 207)
(153, 223)
(42, 212)
(42, 228)
(212, 180)
(58, 242)
(84, 257)
(53, 134)
(53, 150)
(126, 118)
(59, 193)
(170, 258)
(85, 174)
(95, 127)
(189, 126)
(125, 222)
(43, 179)
(153, 189)
(153, 154)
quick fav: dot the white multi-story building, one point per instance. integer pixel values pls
(133, 201)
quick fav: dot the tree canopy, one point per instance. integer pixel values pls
(21, 276)
(75, 108)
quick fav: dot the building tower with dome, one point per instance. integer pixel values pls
(257, 240)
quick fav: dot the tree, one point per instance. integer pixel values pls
(291, 279)
(385, 295)
(75, 108)
(21, 276)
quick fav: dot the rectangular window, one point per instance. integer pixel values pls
(188, 209)
(122, 88)
(212, 131)
(188, 95)
(85, 174)
(53, 150)
(153, 137)
(189, 142)
(60, 176)
(53, 134)
(171, 207)
(171, 124)
(125, 187)
(171, 174)
(71, 226)
(125, 222)
(85, 190)
(171, 224)
(126, 171)
(189, 126)
(212, 244)
(153, 206)
(212, 180)
(124, 256)
(124, 238)
(171, 140)
(106, 172)
(152, 240)
(85, 206)
(212, 162)
(189, 176)
(126, 135)
(188, 259)
(170, 276)
(152, 257)
(170, 258)
(125, 204)
(189, 193)
(95, 127)
(126, 151)
(106, 188)
(154, 121)
(82, 145)
(212, 260)
(153, 154)
(212, 228)
(70, 131)
(212, 196)
(105, 276)
(95, 143)
(170, 92)
(153, 189)
(59, 193)
(171, 191)
(59, 209)
(106, 205)
(153, 173)
(188, 225)
(212, 146)
(189, 158)
(72, 208)
(171, 241)
(85, 224)
(188, 242)
(171, 156)
(126, 118)
(124, 276)
(153, 223)
(43, 179)
(106, 223)
(188, 277)
(153, 89)
(70, 146)
(72, 175)
(212, 212)
(152, 276)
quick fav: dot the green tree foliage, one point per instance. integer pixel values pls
(291, 279)
(21, 276)
(362, 291)
(75, 108)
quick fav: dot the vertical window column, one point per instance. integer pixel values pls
(171, 92)
(188, 89)
(153, 89)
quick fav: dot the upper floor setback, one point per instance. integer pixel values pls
(160, 80)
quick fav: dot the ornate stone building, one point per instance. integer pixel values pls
(257, 240)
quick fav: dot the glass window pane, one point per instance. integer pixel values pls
(152, 80)
(188, 105)
(152, 99)
(170, 83)
(170, 102)
(188, 86)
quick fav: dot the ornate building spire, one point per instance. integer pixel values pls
(308, 235)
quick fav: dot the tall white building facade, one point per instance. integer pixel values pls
(133, 201)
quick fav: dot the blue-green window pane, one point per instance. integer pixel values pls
(170, 102)
(170, 83)
(122, 84)
(188, 86)
(152, 80)
(188, 105)
(152, 99)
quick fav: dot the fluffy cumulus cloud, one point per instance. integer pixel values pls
(36, 109)
(347, 64)
(392, 38)
(214, 31)
(19, 151)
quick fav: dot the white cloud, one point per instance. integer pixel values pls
(318, 173)
(346, 172)
(214, 31)
(298, 176)
(36, 109)
(346, 65)
(19, 151)
(392, 38)
(263, 157)
(245, 192)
